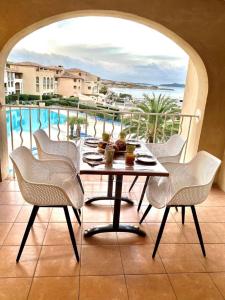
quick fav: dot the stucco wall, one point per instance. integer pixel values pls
(198, 25)
(65, 87)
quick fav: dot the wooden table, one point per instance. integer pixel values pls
(119, 169)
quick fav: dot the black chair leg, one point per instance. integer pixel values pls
(79, 211)
(198, 229)
(80, 183)
(176, 208)
(143, 193)
(26, 233)
(72, 237)
(161, 231)
(145, 213)
(183, 214)
(77, 215)
(133, 183)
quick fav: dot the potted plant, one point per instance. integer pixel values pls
(78, 121)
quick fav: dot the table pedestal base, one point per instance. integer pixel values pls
(93, 199)
(111, 228)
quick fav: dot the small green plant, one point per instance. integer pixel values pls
(105, 137)
(78, 121)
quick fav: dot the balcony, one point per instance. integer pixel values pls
(23, 120)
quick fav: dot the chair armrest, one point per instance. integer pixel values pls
(157, 149)
(173, 167)
(191, 195)
(44, 171)
(61, 147)
(49, 156)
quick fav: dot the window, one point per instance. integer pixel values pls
(75, 80)
(79, 74)
(52, 82)
(48, 83)
(44, 83)
(75, 86)
(37, 84)
(89, 87)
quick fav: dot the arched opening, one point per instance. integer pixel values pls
(196, 85)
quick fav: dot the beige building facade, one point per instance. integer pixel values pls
(13, 82)
(37, 79)
(69, 85)
(41, 80)
(91, 82)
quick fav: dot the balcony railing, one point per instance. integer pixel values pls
(23, 120)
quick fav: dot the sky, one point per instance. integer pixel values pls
(111, 48)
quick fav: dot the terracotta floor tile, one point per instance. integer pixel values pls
(211, 214)
(54, 288)
(13, 186)
(219, 279)
(58, 215)
(4, 185)
(155, 286)
(156, 215)
(8, 213)
(94, 214)
(129, 214)
(4, 230)
(209, 233)
(57, 261)
(26, 265)
(215, 257)
(43, 214)
(14, 288)
(58, 234)
(107, 238)
(126, 238)
(102, 288)
(178, 251)
(35, 237)
(177, 215)
(138, 260)
(184, 265)
(101, 260)
(172, 233)
(194, 286)
(11, 198)
(219, 230)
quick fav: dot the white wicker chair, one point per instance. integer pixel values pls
(47, 183)
(165, 152)
(187, 185)
(66, 150)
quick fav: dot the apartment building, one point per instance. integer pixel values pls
(69, 85)
(91, 82)
(36, 79)
(13, 82)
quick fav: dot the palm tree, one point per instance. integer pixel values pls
(145, 125)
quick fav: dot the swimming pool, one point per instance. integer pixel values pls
(44, 119)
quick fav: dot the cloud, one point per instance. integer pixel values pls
(110, 63)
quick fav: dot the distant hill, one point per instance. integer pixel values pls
(173, 85)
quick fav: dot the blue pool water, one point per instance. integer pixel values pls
(54, 119)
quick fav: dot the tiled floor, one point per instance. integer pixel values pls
(113, 266)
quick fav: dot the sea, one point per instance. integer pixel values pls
(173, 92)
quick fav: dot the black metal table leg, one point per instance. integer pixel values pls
(109, 194)
(116, 226)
